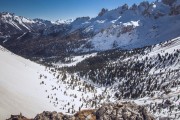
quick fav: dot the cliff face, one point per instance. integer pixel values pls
(110, 111)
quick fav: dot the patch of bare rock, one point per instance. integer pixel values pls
(108, 111)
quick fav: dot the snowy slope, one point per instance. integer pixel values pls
(74, 60)
(148, 76)
(60, 21)
(167, 75)
(159, 101)
(30, 88)
(19, 86)
(135, 27)
(18, 22)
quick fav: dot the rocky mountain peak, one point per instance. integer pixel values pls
(144, 4)
(125, 7)
(6, 13)
(61, 21)
(134, 7)
(169, 2)
(102, 12)
(82, 18)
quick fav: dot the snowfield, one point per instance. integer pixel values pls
(19, 86)
(30, 88)
(75, 60)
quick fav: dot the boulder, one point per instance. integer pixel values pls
(123, 111)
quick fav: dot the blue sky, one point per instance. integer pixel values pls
(60, 9)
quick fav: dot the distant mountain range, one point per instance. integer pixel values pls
(124, 27)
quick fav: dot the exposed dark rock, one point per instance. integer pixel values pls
(110, 111)
(103, 11)
(18, 117)
(175, 10)
(85, 115)
(122, 111)
(168, 2)
(52, 116)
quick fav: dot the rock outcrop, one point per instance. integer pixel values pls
(52, 116)
(110, 111)
(103, 11)
(18, 117)
(168, 2)
(122, 111)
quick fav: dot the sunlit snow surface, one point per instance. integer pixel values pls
(168, 47)
(31, 88)
(21, 88)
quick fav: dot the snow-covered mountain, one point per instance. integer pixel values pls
(124, 27)
(13, 24)
(135, 27)
(60, 21)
